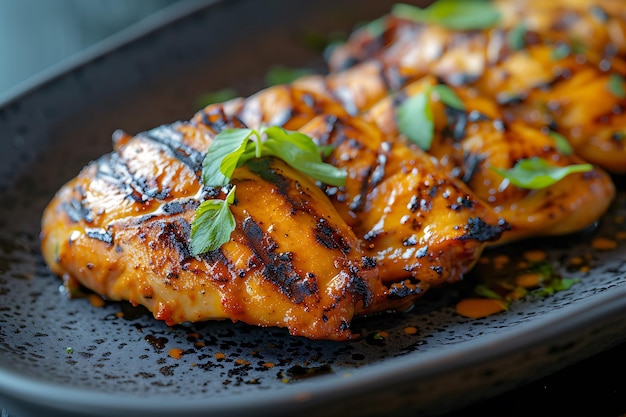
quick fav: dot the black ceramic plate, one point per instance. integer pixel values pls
(62, 357)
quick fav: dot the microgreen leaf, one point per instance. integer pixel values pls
(448, 96)
(616, 86)
(562, 145)
(218, 96)
(415, 120)
(487, 292)
(415, 115)
(212, 225)
(300, 152)
(279, 74)
(223, 156)
(561, 50)
(536, 173)
(452, 14)
(516, 37)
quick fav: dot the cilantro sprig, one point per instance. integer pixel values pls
(536, 173)
(214, 222)
(452, 14)
(415, 115)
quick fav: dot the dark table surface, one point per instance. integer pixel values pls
(594, 387)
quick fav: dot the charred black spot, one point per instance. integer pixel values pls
(472, 162)
(330, 237)
(461, 203)
(402, 290)
(174, 234)
(100, 234)
(477, 229)
(409, 241)
(421, 252)
(456, 123)
(368, 262)
(173, 207)
(437, 268)
(77, 211)
(277, 267)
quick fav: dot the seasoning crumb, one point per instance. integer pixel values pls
(240, 361)
(602, 243)
(410, 330)
(476, 308)
(219, 356)
(535, 255)
(96, 300)
(69, 350)
(269, 364)
(175, 353)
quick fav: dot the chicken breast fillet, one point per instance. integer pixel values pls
(558, 65)
(121, 228)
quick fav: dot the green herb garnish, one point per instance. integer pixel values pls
(536, 173)
(279, 74)
(516, 37)
(452, 14)
(218, 96)
(415, 116)
(562, 145)
(232, 148)
(616, 86)
(212, 225)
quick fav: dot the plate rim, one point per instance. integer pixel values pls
(327, 388)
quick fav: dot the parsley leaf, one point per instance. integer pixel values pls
(279, 74)
(536, 173)
(452, 14)
(212, 225)
(562, 145)
(448, 96)
(218, 96)
(515, 38)
(616, 86)
(415, 116)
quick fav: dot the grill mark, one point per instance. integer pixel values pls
(114, 169)
(330, 237)
(169, 139)
(76, 210)
(278, 267)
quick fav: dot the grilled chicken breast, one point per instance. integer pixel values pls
(121, 228)
(469, 143)
(558, 65)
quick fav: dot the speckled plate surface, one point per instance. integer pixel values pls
(62, 357)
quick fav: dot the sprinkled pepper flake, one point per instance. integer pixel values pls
(220, 356)
(240, 361)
